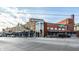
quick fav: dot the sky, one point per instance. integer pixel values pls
(11, 16)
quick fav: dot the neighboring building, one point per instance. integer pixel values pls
(17, 28)
(39, 24)
(33, 24)
(30, 25)
(76, 27)
(36, 25)
(20, 28)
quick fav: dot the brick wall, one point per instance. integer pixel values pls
(69, 22)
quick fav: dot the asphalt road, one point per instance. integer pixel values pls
(39, 44)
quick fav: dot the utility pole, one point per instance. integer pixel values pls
(72, 23)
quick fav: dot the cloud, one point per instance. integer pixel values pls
(11, 16)
(8, 17)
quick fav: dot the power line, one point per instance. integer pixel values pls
(49, 14)
(45, 14)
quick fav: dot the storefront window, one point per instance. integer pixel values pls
(59, 28)
(55, 28)
(63, 28)
(51, 28)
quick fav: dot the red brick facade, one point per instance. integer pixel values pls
(69, 22)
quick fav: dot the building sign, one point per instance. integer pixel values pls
(61, 25)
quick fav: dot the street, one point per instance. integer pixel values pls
(38, 44)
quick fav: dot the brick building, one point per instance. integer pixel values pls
(69, 22)
(66, 25)
(30, 25)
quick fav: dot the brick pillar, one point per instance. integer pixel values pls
(45, 29)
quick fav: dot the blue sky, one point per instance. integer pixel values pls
(60, 11)
(10, 16)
